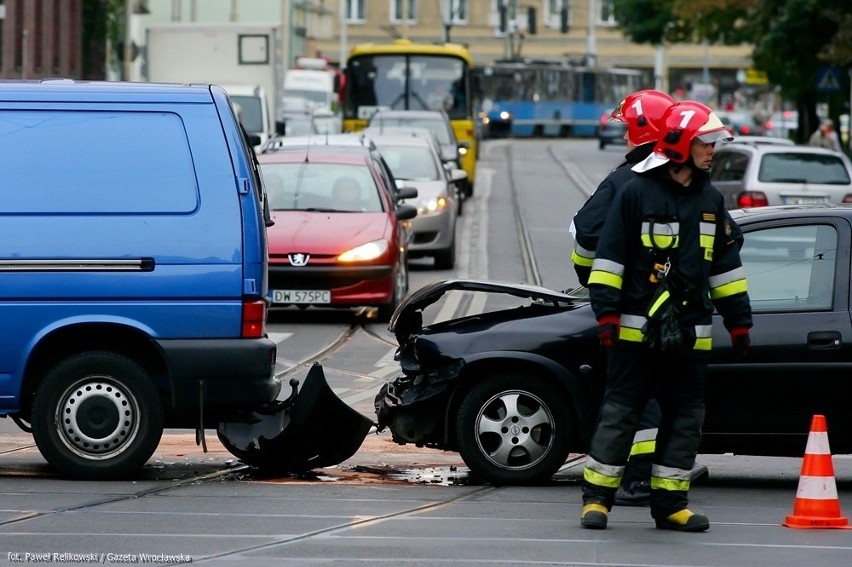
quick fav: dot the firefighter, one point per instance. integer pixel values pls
(667, 256)
(642, 112)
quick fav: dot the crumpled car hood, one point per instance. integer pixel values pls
(408, 316)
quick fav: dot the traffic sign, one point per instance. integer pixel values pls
(828, 80)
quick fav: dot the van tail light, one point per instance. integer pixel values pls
(254, 319)
(749, 199)
(847, 198)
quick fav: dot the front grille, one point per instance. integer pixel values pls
(425, 237)
(289, 277)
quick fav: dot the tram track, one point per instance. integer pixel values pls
(572, 171)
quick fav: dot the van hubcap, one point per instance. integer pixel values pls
(97, 417)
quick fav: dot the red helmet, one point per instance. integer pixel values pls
(682, 123)
(642, 111)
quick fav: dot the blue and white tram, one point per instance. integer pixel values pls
(553, 98)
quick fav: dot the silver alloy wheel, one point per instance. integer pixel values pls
(97, 418)
(514, 430)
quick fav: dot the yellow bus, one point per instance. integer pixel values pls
(403, 75)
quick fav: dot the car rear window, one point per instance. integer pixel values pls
(104, 162)
(792, 167)
(437, 127)
(410, 162)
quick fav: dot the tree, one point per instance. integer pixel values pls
(792, 38)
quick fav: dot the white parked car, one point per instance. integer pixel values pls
(756, 175)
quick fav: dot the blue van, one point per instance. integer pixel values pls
(133, 268)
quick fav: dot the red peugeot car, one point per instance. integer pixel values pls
(340, 237)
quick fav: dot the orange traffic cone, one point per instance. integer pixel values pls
(817, 505)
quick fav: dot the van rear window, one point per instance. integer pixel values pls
(103, 162)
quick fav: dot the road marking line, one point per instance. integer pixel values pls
(279, 337)
(359, 396)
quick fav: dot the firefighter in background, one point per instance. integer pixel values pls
(667, 256)
(642, 113)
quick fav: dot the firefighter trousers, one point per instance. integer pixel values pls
(634, 374)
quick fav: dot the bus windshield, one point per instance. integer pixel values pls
(406, 82)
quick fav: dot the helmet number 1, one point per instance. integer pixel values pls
(637, 106)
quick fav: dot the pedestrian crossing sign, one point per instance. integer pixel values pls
(828, 80)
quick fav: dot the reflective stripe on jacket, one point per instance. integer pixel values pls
(655, 219)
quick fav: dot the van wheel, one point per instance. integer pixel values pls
(514, 429)
(97, 416)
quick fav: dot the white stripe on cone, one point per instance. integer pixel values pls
(817, 488)
(818, 443)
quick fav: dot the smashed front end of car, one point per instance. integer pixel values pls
(415, 406)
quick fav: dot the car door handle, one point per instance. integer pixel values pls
(823, 339)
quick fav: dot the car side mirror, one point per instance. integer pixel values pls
(405, 212)
(457, 175)
(404, 192)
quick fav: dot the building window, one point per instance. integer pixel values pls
(606, 13)
(553, 12)
(457, 11)
(402, 8)
(355, 10)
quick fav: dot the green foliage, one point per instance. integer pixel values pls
(789, 49)
(644, 21)
(684, 21)
(792, 39)
(103, 23)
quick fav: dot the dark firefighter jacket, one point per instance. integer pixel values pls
(590, 218)
(653, 220)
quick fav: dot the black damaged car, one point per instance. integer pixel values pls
(514, 391)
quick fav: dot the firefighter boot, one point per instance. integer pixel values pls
(684, 521)
(594, 516)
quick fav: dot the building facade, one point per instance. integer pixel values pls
(577, 30)
(45, 38)
(41, 39)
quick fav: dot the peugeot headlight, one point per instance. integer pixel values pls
(365, 252)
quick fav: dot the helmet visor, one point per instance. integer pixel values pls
(715, 136)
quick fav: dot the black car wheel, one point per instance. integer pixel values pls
(400, 290)
(512, 429)
(97, 415)
(446, 259)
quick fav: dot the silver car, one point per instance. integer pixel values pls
(757, 175)
(415, 162)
